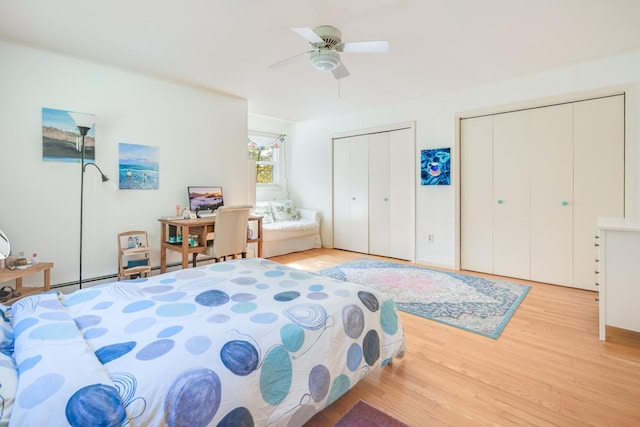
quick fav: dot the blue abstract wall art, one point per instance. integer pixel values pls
(435, 166)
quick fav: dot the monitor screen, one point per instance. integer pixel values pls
(204, 198)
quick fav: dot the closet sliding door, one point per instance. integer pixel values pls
(401, 194)
(351, 194)
(476, 193)
(391, 183)
(373, 193)
(534, 182)
(379, 194)
(511, 214)
(599, 177)
(551, 194)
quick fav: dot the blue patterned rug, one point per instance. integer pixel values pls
(471, 303)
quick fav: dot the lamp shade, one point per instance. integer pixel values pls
(84, 120)
(325, 60)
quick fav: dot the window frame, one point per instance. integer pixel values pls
(275, 141)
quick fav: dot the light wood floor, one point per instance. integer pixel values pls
(547, 368)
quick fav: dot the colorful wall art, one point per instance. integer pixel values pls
(435, 166)
(61, 140)
(139, 167)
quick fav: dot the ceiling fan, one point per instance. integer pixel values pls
(327, 45)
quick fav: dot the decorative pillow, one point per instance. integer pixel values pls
(284, 211)
(264, 209)
(9, 382)
(6, 331)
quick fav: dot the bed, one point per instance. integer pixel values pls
(239, 343)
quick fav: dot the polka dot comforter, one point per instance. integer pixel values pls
(240, 343)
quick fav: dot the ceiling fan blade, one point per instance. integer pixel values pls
(340, 72)
(287, 61)
(375, 46)
(308, 34)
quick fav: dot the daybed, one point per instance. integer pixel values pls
(242, 342)
(287, 229)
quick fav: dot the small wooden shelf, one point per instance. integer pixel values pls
(7, 275)
(134, 258)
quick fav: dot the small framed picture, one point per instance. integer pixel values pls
(435, 166)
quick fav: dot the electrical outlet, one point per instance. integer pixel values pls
(430, 238)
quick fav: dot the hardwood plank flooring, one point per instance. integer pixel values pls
(547, 368)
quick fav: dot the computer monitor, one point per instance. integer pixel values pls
(205, 198)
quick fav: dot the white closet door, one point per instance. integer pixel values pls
(476, 194)
(379, 194)
(350, 194)
(551, 192)
(402, 181)
(373, 193)
(511, 210)
(341, 193)
(359, 188)
(599, 177)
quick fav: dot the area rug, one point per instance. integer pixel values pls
(472, 303)
(363, 414)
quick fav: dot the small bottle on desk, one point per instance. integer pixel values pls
(34, 259)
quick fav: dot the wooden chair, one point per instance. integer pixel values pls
(133, 254)
(230, 232)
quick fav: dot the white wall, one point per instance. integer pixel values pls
(201, 137)
(435, 117)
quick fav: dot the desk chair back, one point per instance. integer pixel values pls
(133, 254)
(230, 232)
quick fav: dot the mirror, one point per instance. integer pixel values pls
(5, 246)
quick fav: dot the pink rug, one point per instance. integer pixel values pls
(364, 415)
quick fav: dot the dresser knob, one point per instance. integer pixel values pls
(597, 299)
(597, 284)
(596, 245)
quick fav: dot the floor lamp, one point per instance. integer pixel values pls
(84, 122)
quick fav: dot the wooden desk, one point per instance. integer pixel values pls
(7, 275)
(200, 227)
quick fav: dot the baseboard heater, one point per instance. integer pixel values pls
(115, 275)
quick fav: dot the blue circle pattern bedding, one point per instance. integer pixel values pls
(241, 343)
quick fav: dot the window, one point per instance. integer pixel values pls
(265, 150)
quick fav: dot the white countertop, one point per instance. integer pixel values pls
(628, 224)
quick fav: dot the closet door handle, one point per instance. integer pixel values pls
(500, 201)
(564, 203)
(386, 199)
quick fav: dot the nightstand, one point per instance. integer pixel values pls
(7, 275)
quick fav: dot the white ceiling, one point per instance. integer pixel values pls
(227, 45)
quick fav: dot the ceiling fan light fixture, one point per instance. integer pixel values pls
(325, 59)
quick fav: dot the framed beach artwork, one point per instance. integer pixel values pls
(139, 167)
(61, 140)
(435, 166)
